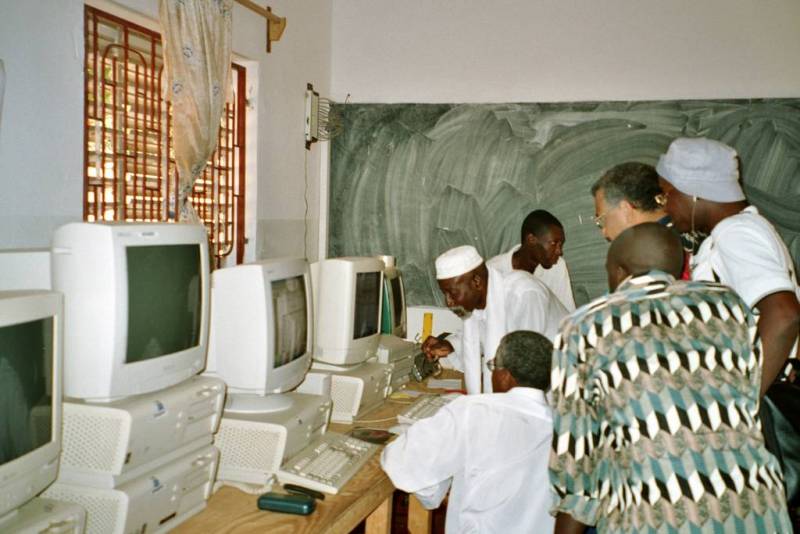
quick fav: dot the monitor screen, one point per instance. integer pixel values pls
(367, 306)
(397, 301)
(31, 327)
(26, 355)
(290, 313)
(164, 305)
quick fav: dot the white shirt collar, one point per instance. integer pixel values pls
(530, 394)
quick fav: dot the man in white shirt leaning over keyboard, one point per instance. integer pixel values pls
(490, 450)
(491, 303)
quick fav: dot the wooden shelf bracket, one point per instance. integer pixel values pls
(275, 24)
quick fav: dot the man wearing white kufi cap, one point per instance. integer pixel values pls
(492, 304)
(700, 178)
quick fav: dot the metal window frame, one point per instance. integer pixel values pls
(134, 191)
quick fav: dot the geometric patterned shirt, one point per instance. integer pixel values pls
(655, 401)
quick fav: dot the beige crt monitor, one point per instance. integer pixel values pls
(31, 329)
(261, 332)
(347, 306)
(136, 299)
(393, 311)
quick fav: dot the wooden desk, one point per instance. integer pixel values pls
(369, 492)
(368, 495)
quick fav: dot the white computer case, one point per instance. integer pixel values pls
(108, 444)
(45, 516)
(400, 354)
(155, 502)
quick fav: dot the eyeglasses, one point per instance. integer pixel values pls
(492, 365)
(599, 220)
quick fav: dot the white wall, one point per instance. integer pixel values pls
(453, 51)
(41, 136)
(384, 51)
(564, 50)
(300, 57)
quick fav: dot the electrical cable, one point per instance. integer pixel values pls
(305, 200)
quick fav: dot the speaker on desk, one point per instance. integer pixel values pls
(251, 452)
(346, 393)
(253, 445)
(359, 390)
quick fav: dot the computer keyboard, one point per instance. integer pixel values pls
(423, 407)
(327, 463)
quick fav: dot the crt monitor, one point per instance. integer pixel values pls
(30, 394)
(393, 317)
(347, 305)
(136, 299)
(261, 332)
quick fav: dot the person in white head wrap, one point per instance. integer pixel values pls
(700, 178)
(492, 304)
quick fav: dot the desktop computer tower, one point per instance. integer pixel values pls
(400, 354)
(355, 389)
(253, 446)
(402, 371)
(107, 444)
(154, 502)
(45, 516)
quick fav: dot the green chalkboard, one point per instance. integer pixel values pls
(413, 180)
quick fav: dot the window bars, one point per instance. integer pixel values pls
(129, 168)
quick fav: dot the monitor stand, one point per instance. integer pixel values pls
(260, 404)
(253, 445)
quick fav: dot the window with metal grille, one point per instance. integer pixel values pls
(129, 167)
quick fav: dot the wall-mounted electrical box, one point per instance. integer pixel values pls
(312, 116)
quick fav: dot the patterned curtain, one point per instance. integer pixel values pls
(197, 55)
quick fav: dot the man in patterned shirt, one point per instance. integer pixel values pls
(655, 400)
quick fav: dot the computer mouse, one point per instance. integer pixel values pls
(398, 428)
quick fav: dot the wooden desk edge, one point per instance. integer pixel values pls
(216, 516)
